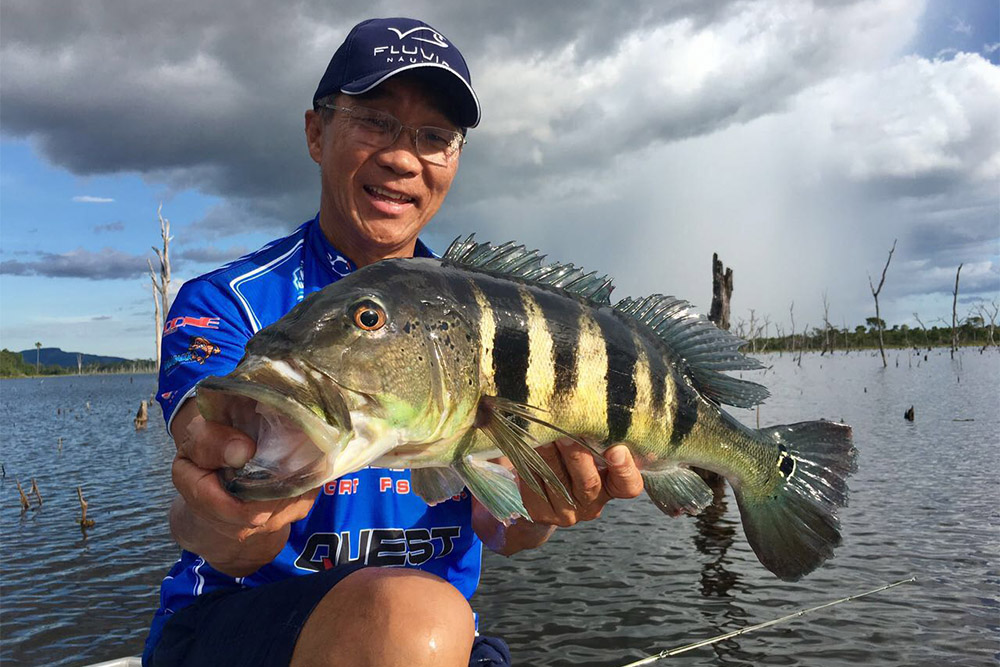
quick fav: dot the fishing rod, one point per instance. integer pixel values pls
(736, 633)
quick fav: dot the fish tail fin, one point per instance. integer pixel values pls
(792, 523)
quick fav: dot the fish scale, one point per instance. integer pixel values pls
(488, 351)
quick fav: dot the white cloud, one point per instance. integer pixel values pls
(960, 26)
(792, 137)
(88, 199)
(917, 118)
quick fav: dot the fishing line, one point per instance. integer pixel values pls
(736, 633)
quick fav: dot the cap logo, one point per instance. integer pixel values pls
(415, 53)
(436, 38)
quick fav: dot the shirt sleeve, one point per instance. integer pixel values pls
(205, 334)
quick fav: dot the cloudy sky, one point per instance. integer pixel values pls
(797, 139)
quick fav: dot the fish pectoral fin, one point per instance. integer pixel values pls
(494, 486)
(509, 408)
(436, 485)
(519, 446)
(677, 490)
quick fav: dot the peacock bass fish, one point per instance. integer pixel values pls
(441, 365)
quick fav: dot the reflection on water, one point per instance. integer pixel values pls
(925, 501)
(713, 537)
(73, 596)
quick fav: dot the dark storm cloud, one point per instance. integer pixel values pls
(690, 122)
(109, 227)
(210, 254)
(106, 264)
(210, 95)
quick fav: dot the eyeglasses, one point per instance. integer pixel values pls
(379, 129)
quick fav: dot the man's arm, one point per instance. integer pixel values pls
(590, 486)
(235, 537)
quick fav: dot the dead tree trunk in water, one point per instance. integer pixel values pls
(875, 293)
(954, 315)
(827, 347)
(157, 317)
(722, 291)
(161, 287)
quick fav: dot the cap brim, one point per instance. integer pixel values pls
(467, 111)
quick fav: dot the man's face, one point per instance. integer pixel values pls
(375, 202)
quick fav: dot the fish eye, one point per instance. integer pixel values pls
(369, 316)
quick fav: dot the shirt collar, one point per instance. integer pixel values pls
(336, 263)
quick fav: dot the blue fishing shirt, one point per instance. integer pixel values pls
(370, 516)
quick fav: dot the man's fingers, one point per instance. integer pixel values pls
(210, 446)
(293, 509)
(623, 479)
(206, 497)
(583, 473)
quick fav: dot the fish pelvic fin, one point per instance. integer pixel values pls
(494, 486)
(677, 490)
(702, 349)
(518, 445)
(436, 485)
(792, 525)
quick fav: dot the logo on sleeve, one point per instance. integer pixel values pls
(175, 323)
(199, 350)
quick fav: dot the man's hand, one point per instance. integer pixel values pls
(235, 537)
(590, 486)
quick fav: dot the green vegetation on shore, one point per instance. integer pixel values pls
(972, 333)
(12, 364)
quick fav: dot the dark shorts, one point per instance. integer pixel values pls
(258, 627)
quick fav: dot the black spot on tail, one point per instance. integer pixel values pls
(786, 463)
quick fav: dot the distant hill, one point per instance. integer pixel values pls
(53, 356)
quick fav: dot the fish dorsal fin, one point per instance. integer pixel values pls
(703, 349)
(517, 261)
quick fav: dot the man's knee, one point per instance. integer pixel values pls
(386, 617)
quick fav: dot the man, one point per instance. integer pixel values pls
(388, 122)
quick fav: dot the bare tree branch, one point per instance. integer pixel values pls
(826, 325)
(954, 316)
(875, 293)
(161, 287)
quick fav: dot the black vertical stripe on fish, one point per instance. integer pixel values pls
(658, 372)
(563, 317)
(685, 414)
(510, 343)
(465, 296)
(621, 389)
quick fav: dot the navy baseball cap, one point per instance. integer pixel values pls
(377, 49)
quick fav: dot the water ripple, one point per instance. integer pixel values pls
(924, 502)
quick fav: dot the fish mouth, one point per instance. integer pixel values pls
(297, 417)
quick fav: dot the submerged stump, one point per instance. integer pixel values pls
(142, 416)
(83, 521)
(24, 499)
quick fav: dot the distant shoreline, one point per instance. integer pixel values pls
(72, 375)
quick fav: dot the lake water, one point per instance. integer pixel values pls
(925, 502)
